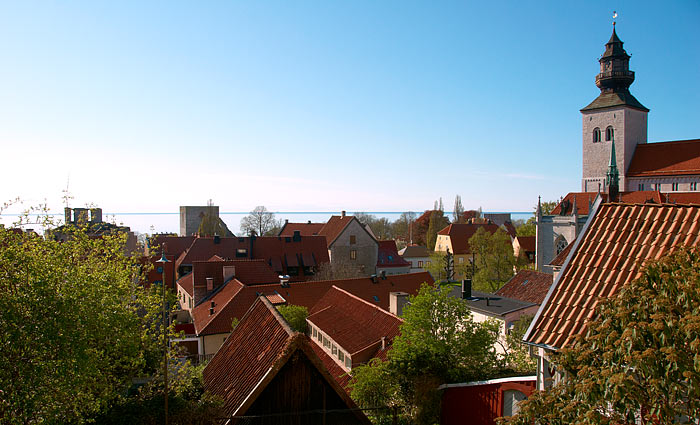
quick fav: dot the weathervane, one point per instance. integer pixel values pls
(614, 17)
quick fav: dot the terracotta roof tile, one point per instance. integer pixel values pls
(187, 283)
(233, 299)
(460, 233)
(388, 255)
(527, 285)
(561, 257)
(620, 239)
(305, 229)
(352, 322)
(256, 350)
(666, 159)
(335, 226)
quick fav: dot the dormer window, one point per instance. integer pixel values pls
(609, 134)
(596, 135)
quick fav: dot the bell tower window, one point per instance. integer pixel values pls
(596, 135)
(609, 134)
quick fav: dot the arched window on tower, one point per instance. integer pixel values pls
(560, 244)
(609, 134)
(596, 135)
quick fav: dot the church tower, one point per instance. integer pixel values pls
(614, 116)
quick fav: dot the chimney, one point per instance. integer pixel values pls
(217, 239)
(96, 215)
(466, 289)
(308, 222)
(374, 278)
(383, 343)
(284, 280)
(210, 284)
(397, 301)
(297, 236)
(383, 274)
(286, 221)
(229, 272)
(211, 308)
(342, 213)
(68, 213)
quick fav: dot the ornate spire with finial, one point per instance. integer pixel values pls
(612, 178)
(539, 207)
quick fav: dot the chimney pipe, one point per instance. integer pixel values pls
(466, 289)
(374, 278)
(342, 213)
(488, 301)
(383, 342)
(211, 308)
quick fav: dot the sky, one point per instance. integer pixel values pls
(322, 106)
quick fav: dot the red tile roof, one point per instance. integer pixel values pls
(342, 377)
(305, 229)
(584, 199)
(666, 159)
(254, 353)
(234, 298)
(335, 227)
(278, 252)
(388, 255)
(173, 245)
(527, 285)
(510, 229)
(527, 243)
(187, 283)
(460, 234)
(352, 322)
(614, 247)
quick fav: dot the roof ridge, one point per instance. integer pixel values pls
(386, 312)
(669, 142)
(216, 314)
(282, 321)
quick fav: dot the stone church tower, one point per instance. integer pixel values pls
(614, 116)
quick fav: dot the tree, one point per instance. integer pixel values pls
(75, 326)
(339, 269)
(641, 354)
(438, 343)
(494, 259)
(401, 228)
(295, 315)
(458, 210)
(517, 356)
(260, 222)
(437, 222)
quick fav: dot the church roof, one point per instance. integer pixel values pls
(666, 159)
(612, 99)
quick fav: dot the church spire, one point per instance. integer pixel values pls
(612, 178)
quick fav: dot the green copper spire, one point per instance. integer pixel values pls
(612, 178)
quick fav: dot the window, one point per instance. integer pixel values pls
(461, 260)
(348, 362)
(561, 244)
(427, 263)
(315, 332)
(391, 258)
(353, 239)
(674, 187)
(353, 255)
(511, 398)
(341, 356)
(641, 186)
(596, 135)
(320, 337)
(694, 186)
(334, 350)
(609, 134)
(326, 342)
(420, 263)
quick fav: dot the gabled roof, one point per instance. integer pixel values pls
(414, 251)
(527, 243)
(254, 353)
(666, 159)
(352, 322)
(388, 255)
(510, 229)
(233, 299)
(187, 283)
(305, 229)
(336, 225)
(612, 250)
(528, 286)
(460, 234)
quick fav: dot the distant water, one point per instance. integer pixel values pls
(158, 222)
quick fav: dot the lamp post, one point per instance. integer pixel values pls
(162, 262)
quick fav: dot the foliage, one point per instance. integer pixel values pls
(494, 259)
(526, 228)
(547, 207)
(439, 343)
(437, 222)
(458, 210)
(401, 228)
(295, 315)
(517, 357)
(187, 401)
(438, 267)
(212, 224)
(641, 354)
(260, 222)
(75, 326)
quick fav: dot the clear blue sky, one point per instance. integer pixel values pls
(322, 106)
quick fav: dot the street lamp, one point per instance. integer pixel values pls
(162, 262)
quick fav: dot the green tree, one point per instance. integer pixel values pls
(439, 343)
(75, 326)
(641, 354)
(517, 356)
(295, 315)
(260, 222)
(437, 222)
(401, 228)
(494, 259)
